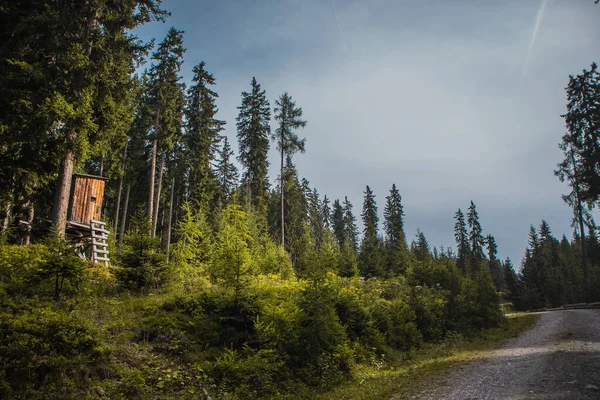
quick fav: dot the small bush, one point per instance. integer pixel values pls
(51, 269)
(142, 265)
(250, 373)
(48, 354)
(395, 319)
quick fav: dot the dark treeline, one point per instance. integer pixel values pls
(239, 282)
(552, 272)
(556, 272)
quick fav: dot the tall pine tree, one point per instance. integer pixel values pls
(393, 214)
(166, 101)
(350, 228)
(289, 118)
(337, 222)
(476, 240)
(462, 242)
(226, 172)
(494, 265)
(202, 136)
(253, 132)
(370, 257)
(581, 151)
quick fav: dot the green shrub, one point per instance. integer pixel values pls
(49, 269)
(47, 354)
(479, 303)
(232, 263)
(321, 333)
(273, 259)
(357, 321)
(277, 327)
(395, 319)
(249, 373)
(17, 265)
(193, 249)
(211, 318)
(142, 265)
(429, 304)
(62, 268)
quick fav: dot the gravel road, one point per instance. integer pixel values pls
(558, 359)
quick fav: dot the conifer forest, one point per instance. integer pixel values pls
(212, 276)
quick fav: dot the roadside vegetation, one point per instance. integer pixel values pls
(429, 366)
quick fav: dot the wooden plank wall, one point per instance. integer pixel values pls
(83, 210)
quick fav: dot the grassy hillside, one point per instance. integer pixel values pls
(70, 330)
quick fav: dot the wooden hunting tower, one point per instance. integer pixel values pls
(86, 198)
(84, 225)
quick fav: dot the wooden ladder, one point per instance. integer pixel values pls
(99, 242)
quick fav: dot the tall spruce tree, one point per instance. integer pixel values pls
(545, 233)
(494, 265)
(253, 132)
(394, 230)
(350, 228)
(326, 212)
(580, 147)
(583, 124)
(315, 216)
(533, 238)
(226, 172)
(420, 247)
(166, 101)
(476, 240)
(462, 242)
(337, 222)
(289, 118)
(202, 136)
(510, 279)
(532, 274)
(370, 257)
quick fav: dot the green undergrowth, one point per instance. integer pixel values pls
(99, 336)
(407, 376)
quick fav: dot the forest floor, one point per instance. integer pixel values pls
(558, 359)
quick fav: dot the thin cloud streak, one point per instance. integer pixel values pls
(534, 34)
(339, 25)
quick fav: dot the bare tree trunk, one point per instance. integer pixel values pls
(101, 169)
(7, 215)
(158, 188)
(119, 192)
(282, 210)
(181, 198)
(583, 244)
(124, 218)
(152, 178)
(30, 215)
(169, 227)
(61, 198)
(153, 166)
(162, 224)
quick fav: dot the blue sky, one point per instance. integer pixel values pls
(435, 96)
